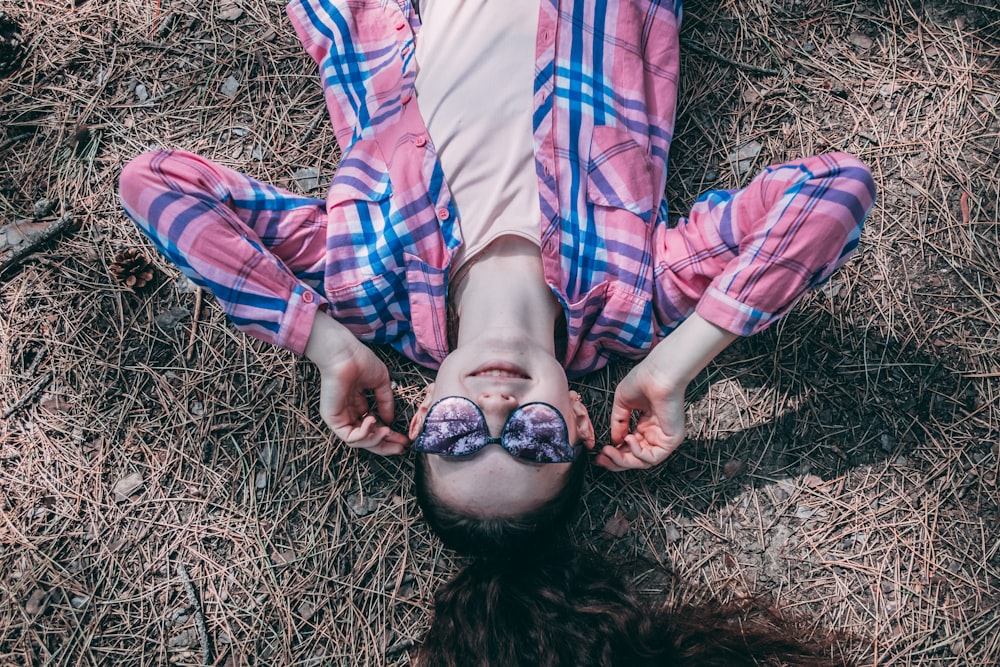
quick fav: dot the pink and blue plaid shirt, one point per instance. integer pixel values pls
(604, 105)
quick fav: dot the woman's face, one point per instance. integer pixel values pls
(499, 375)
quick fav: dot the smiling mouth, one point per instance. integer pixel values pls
(494, 370)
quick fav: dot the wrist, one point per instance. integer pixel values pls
(329, 340)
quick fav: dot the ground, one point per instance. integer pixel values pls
(158, 468)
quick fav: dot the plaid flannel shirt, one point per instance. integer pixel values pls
(604, 105)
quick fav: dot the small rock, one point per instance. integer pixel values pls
(888, 89)
(671, 534)
(283, 557)
(803, 513)
(902, 461)
(744, 157)
(53, 401)
(750, 96)
(617, 525)
(230, 86)
(306, 610)
(126, 486)
(361, 505)
(710, 176)
(169, 320)
(184, 639)
(733, 468)
(887, 442)
(141, 93)
(812, 481)
(861, 40)
(37, 602)
(307, 178)
(260, 480)
(239, 131)
(79, 602)
(184, 285)
(197, 408)
(230, 11)
(43, 207)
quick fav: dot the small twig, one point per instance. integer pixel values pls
(199, 617)
(42, 384)
(194, 323)
(703, 50)
(966, 214)
(39, 357)
(399, 647)
(19, 253)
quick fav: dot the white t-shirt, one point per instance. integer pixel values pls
(475, 79)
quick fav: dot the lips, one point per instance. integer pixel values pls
(500, 370)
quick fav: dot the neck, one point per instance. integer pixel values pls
(504, 293)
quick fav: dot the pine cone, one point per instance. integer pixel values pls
(11, 45)
(132, 268)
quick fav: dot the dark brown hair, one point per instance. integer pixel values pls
(530, 598)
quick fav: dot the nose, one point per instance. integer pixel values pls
(496, 406)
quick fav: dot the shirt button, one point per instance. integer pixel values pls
(420, 142)
(406, 50)
(307, 297)
(406, 99)
(443, 214)
(545, 35)
(400, 24)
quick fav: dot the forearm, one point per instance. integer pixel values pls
(679, 357)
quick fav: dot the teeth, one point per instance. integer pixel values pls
(497, 373)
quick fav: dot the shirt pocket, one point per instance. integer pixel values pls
(374, 309)
(619, 173)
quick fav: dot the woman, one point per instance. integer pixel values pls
(497, 215)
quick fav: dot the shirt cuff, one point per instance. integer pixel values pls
(296, 324)
(726, 312)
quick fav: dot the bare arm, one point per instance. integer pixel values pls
(655, 388)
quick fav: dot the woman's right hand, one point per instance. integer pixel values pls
(348, 371)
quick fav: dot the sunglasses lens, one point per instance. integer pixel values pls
(453, 427)
(537, 432)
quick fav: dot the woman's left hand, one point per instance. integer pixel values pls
(655, 389)
(660, 428)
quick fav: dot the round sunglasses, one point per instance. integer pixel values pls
(534, 432)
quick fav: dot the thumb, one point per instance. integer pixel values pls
(621, 412)
(384, 403)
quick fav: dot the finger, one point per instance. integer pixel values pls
(387, 448)
(621, 414)
(384, 403)
(623, 459)
(644, 451)
(605, 462)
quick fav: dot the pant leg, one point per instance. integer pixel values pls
(743, 258)
(259, 249)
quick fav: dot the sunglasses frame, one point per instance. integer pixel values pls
(491, 440)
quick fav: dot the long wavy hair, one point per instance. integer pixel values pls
(530, 598)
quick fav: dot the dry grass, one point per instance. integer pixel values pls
(867, 421)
